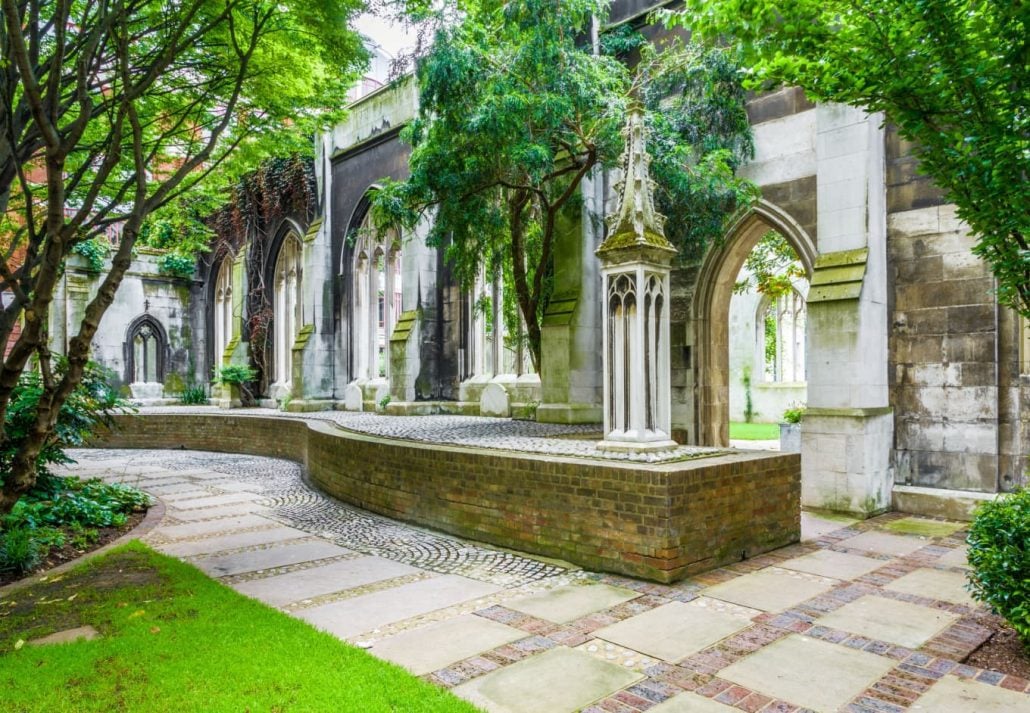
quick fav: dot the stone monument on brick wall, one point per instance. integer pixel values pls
(635, 264)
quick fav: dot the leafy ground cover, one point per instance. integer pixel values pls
(171, 639)
(754, 431)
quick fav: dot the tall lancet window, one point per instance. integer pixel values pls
(376, 302)
(287, 306)
(223, 310)
(146, 351)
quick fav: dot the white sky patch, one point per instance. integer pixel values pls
(391, 36)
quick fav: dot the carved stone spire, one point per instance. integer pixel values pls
(636, 224)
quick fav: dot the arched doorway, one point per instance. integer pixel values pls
(710, 312)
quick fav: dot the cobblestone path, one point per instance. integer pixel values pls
(858, 617)
(475, 431)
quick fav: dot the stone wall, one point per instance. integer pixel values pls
(659, 522)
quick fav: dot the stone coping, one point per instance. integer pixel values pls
(659, 521)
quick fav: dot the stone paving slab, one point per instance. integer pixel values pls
(364, 614)
(688, 702)
(808, 672)
(239, 562)
(936, 584)
(953, 695)
(902, 623)
(956, 558)
(565, 604)
(673, 631)
(192, 503)
(206, 527)
(570, 679)
(291, 587)
(220, 543)
(227, 511)
(79, 633)
(771, 589)
(838, 565)
(813, 526)
(440, 644)
(884, 543)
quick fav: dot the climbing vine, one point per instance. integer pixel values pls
(280, 187)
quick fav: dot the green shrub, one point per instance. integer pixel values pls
(20, 551)
(91, 404)
(794, 413)
(176, 265)
(236, 374)
(74, 502)
(193, 395)
(999, 553)
(94, 251)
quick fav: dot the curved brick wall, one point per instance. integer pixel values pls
(658, 522)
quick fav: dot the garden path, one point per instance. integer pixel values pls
(857, 617)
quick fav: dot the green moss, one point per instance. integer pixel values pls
(923, 528)
(174, 383)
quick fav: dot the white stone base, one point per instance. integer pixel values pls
(636, 447)
(147, 390)
(939, 502)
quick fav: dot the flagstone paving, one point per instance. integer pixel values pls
(853, 618)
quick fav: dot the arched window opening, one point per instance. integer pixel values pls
(287, 308)
(376, 302)
(223, 326)
(146, 352)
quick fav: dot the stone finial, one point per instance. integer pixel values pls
(636, 223)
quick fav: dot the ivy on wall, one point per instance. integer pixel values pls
(281, 187)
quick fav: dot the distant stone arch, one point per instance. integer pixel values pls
(146, 348)
(710, 310)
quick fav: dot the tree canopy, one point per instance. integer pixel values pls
(517, 108)
(111, 110)
(953, 75)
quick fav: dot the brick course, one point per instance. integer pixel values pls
(659, 522)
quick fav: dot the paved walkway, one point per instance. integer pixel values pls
(858, 617)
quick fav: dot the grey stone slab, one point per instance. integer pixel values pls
(901, 623)
(209, 501)
(884, 543)
(814, 526)
(195, 529)
(225, 565)
(370, 611)
(333, 577)
(443, 643)
(79, 633)
(956, 558)
(219, 543)
(935, 584)
(808, 672)
(557, 681)
(673, 631)
(565, 604)
(687, 702)
(220, 512)
(954, 695)
(770, 589)
(178, 490)
(838, 565)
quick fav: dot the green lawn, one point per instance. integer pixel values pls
(755, 431)
(175, 640)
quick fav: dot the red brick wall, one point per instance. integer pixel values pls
(658, 522)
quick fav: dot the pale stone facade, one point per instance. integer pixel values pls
(917, 384)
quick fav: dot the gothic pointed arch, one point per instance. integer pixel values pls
(710, 311)
(146, 351)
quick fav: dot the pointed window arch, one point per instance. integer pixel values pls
(223, 324)
(287, 306)
(376, 303)
(146, 347)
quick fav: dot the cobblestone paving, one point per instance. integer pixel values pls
(294, 503)
(790, 648)
(473, 431)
